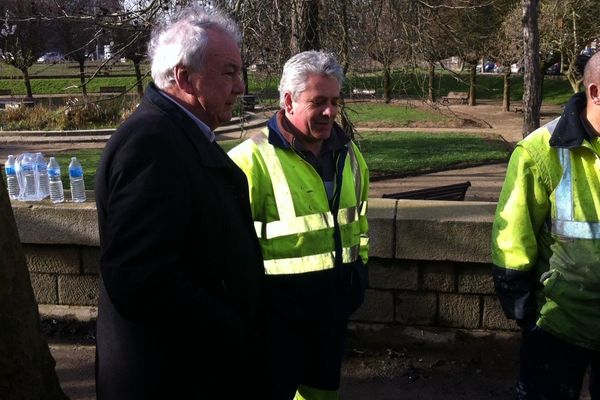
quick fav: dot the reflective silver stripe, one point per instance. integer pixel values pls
(281, 190)
(564, 225)
(315, 262)
(564, 191)
(307, 223)
(289, 223)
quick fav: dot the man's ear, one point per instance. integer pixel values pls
(594, 93)
(287, 103)
(183, 79)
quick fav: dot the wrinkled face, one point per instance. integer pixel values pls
(314, 111)
(217, 85)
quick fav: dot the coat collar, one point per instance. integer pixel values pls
(570, 130)
(211, 155)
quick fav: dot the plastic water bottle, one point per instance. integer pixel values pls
(29, 192)
(12, 183)
(57, 193)
(76, 179)
(42, 170)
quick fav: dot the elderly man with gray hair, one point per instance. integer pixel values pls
(308, 193)
(181, 268)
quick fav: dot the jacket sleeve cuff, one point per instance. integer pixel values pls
(515, 290)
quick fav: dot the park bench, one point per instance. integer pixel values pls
(456, 97)
(456, 191)
(5, 92)
(113, 89)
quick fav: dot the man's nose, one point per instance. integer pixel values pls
(238, 86)
(330, 111)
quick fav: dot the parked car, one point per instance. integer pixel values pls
(50, 57)
(517, 68)
(554, 69)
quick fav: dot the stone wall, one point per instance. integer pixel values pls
(429, 266)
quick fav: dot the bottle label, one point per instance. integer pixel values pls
(10, 170)
(53, 172)
(75, 172)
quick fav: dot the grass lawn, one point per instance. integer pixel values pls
(390, 114)
(398, 153)
(406, 153)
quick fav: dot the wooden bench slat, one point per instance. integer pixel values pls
(456, 191)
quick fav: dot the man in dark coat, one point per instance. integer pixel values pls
(180, 299)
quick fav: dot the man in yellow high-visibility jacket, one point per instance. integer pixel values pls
(546, 248)
(308, 192)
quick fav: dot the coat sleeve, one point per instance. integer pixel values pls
(142, 263)
(364, 201)
(523, 207)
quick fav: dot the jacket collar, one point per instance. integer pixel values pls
(278, 138)
(211, 155)
(570, 130)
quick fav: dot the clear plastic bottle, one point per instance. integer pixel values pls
(29, 192)
(43, 182)
(57, 193)
(76, 179)
(12, 183)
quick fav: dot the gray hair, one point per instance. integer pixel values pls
(591, 72)
(182, 40)
(296, 71)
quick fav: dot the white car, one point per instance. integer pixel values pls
(517, 68)
(50, 57)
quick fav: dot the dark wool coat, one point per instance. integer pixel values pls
(180, 299)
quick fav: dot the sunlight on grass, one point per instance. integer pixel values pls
(420, 152)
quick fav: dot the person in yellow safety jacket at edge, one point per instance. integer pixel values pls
(308, 186)
(546, 248)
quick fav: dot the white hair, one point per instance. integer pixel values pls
(182, 40)
(296, 71)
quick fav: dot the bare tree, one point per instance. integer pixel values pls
(532, 93)
(21, 36)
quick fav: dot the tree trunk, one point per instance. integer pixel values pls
(506, 92)
(82, 78)
(532, 88)
(430, 82)
(309, 31)
(387, 80)
(472, 84)
(26, 365)
(138, 78)
(27, 82)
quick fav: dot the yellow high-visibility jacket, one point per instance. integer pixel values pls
(546, 234)
(308, 243)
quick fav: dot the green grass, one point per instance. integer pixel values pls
(399, 153)
(89, 160)
(390, 114)
(406, 153)
(404, 84)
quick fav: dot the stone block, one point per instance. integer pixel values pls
(64, 223)
(52, 259)
(381, 214)
(378, 307)
(80, 290)
(444, 230)
(459, 310)
(416, 308)
(389, 274)
(493, 316)
(437, 276)
(45, 288)
(475, 278)
(90, 260)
